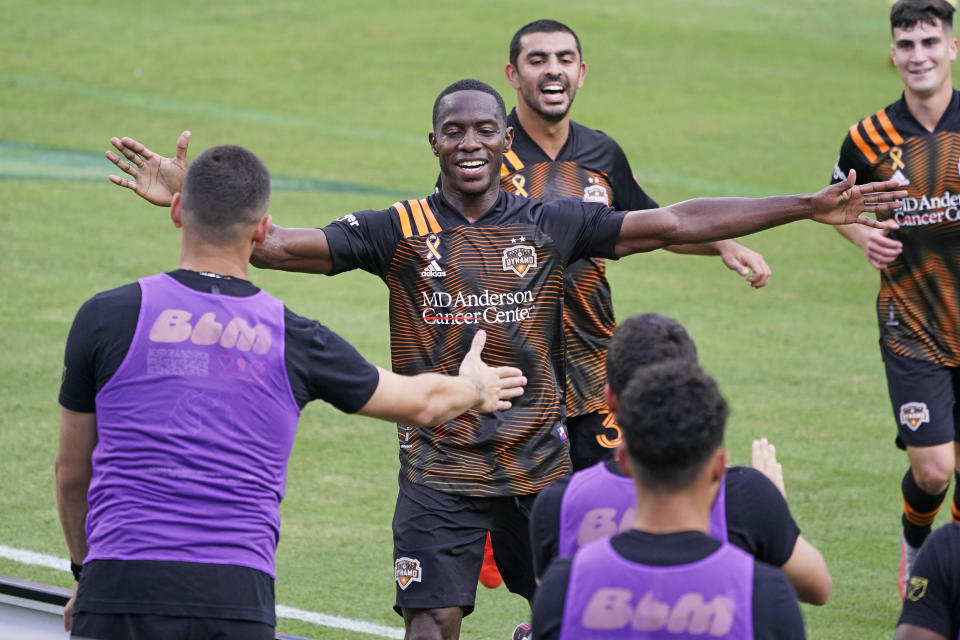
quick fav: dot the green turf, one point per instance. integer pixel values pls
(708, 97)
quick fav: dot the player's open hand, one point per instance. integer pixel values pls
(495, 385)
(155, 177)
(763, 458)
(845, 202)
(745, 261)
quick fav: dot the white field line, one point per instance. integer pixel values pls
(33, 558)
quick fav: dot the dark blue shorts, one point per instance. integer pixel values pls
(923, 396)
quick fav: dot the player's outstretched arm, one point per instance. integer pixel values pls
(433, 398)
(709, 219)
(155, 177)
(291, 249)
(808, 573)
(738, 258)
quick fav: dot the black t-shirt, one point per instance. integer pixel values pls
(448, 277)
(320, 365)
(776, 614)
(933, 593)
(758, 518)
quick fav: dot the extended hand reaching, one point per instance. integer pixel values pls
(155, 178)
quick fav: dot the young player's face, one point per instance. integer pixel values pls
(923, 55)
(548, 73)
(470, 139)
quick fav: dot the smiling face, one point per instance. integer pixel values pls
(923, 55)
(548, 73)
(470, 137)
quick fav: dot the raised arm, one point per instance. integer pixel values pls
(432, 398)
(709, 219)
(290, 249)
(155, 177)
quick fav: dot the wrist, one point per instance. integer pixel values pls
(76, 570)
(478, 385)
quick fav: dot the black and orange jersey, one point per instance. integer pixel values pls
(918, 307)
(932, 598)
(591, 166)
(447, 278)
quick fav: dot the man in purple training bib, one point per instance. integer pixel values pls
(666, 577)
(180, 400)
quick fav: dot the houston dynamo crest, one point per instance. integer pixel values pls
(914, 414)
(407, 570)
(520, 259)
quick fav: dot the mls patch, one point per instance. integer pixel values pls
(916, 588)
(914, 414)
(407, 570)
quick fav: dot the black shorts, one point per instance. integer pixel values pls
(593, 437)
(922, 395)
(121, 626)
(438, 541)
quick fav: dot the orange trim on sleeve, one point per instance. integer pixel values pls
(418, 217)
(404, 219)
(862, 145)
(514, 160)
(431, 220)
(882, 146)
(888, 127)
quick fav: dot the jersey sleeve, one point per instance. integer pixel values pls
(545, 524)
(549, 600)
(322, 365)
(850, 158)
(582, 229)
(362, 240)
(776, 614)
(932, 592)
(97, 343)
(758, 517)
(628, 195)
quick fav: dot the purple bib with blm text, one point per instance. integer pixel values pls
(612, 598)
(598, 504)
(193, 433)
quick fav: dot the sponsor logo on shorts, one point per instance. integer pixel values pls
(914, 414)
(916, 588)
(407, 570)
(519, 258)
(595, 192)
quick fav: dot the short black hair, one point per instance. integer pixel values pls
(906, 14)
(643, 340)
(673, 418)
(226, 188)
(539, 26)
(470, 84)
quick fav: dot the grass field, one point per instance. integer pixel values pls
(708, 97)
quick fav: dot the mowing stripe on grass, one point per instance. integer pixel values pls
(33, 558)
(22, 161)
(14, 81)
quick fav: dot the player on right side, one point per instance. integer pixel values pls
(916, 141)
(931, 608)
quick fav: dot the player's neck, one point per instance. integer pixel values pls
(549, 136)
(197, 256)
(471, 206)
(661, 513)
(928, 109)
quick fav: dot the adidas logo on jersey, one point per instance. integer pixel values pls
(433, 270)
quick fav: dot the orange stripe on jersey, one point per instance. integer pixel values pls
(418, 217)
(431, 220)
(862, 145)
(888, 127)
(503, 170)
(882, 146)
(404, 219)
(514, 160)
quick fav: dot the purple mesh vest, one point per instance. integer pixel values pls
(597, 504)
(610, 597)
(193, 433)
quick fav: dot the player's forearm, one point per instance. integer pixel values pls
(808, 573)
(855, 233)
(288, 249)
(708, 220)
(72, 484)
(705, 249)
(447, 397)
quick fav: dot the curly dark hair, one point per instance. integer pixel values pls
(643, 340)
